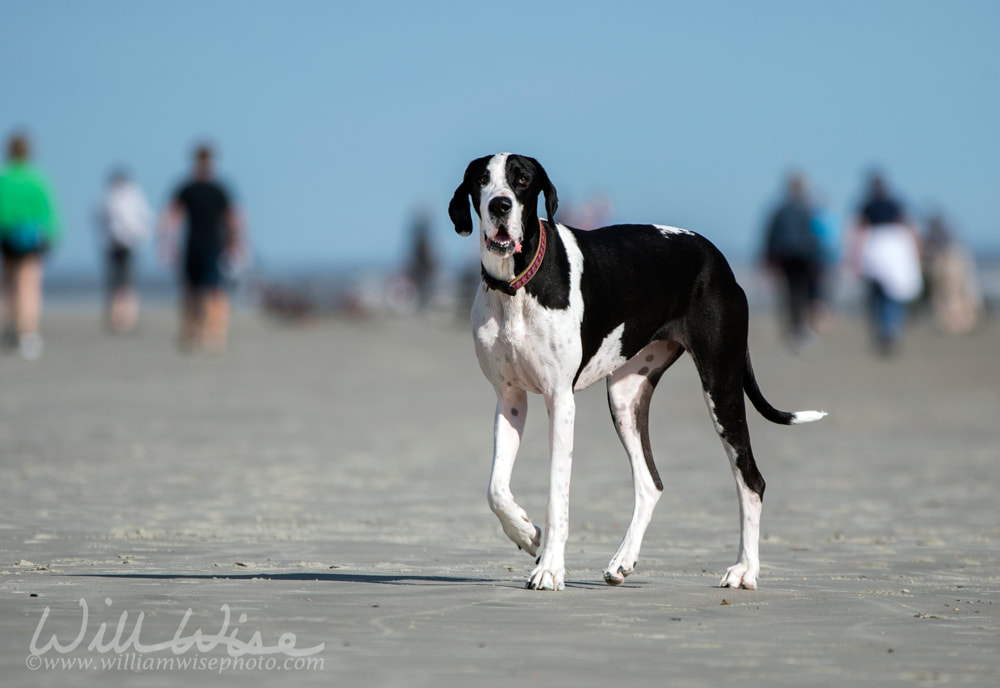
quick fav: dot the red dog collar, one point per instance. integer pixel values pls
(511, 287)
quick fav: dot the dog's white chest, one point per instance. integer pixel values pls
(519, 344)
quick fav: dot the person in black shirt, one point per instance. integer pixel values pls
(885, 250)
(793, 252)
(213, 237)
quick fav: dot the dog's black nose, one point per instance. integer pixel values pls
(500, 206)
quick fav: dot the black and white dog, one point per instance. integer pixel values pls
(561, 309)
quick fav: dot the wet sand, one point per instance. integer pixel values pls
(330, 481)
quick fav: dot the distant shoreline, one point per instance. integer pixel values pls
(70, 290)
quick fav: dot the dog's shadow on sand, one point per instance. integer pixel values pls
(331, 577)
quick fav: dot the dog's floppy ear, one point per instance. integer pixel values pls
(458, 210)
(551, 199)
(549, 189)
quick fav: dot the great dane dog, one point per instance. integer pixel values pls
(563, 308)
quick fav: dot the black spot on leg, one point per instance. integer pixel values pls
(643, 370)
(649, 358)
(514, 412)
(642, 421)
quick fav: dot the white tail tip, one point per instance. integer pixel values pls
(807, 417)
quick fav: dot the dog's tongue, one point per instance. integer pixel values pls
(517, 245)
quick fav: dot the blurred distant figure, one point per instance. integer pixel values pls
(212, 242)
(885, 249)
(125, 222)
(955, 296)
(825, 226)
(29, 227)
(422, 267)
(792, 249)
(595, 212)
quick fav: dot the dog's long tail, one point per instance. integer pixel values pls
(765, 409)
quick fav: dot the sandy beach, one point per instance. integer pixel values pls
(329, 481)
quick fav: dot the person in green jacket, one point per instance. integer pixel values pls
(29, 227)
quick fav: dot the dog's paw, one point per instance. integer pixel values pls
(524, 534)
(615, 573)
(549, 574)
(739, 575)
(545, 579)
(529, 541)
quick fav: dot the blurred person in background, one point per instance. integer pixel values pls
(29, 227)
(212, 242)
(825, 226)
(792, 251)
(885, 251)
(125, 221)
(423, 264)
(953, 289)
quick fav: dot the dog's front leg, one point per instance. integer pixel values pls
(512, 410)
(550, 572)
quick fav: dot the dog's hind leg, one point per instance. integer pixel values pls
(630, 389)
(718, 346)
(729, 416)
(726, 405)
(512, 410)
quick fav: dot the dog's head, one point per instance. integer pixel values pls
(504, 191)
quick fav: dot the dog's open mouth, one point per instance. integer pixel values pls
(502, 243)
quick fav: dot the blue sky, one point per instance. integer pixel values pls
(335, 121)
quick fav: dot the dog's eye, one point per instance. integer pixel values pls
(521, 180)
(484, 179)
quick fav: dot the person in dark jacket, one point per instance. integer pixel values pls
(213, 237)
(793, 251)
